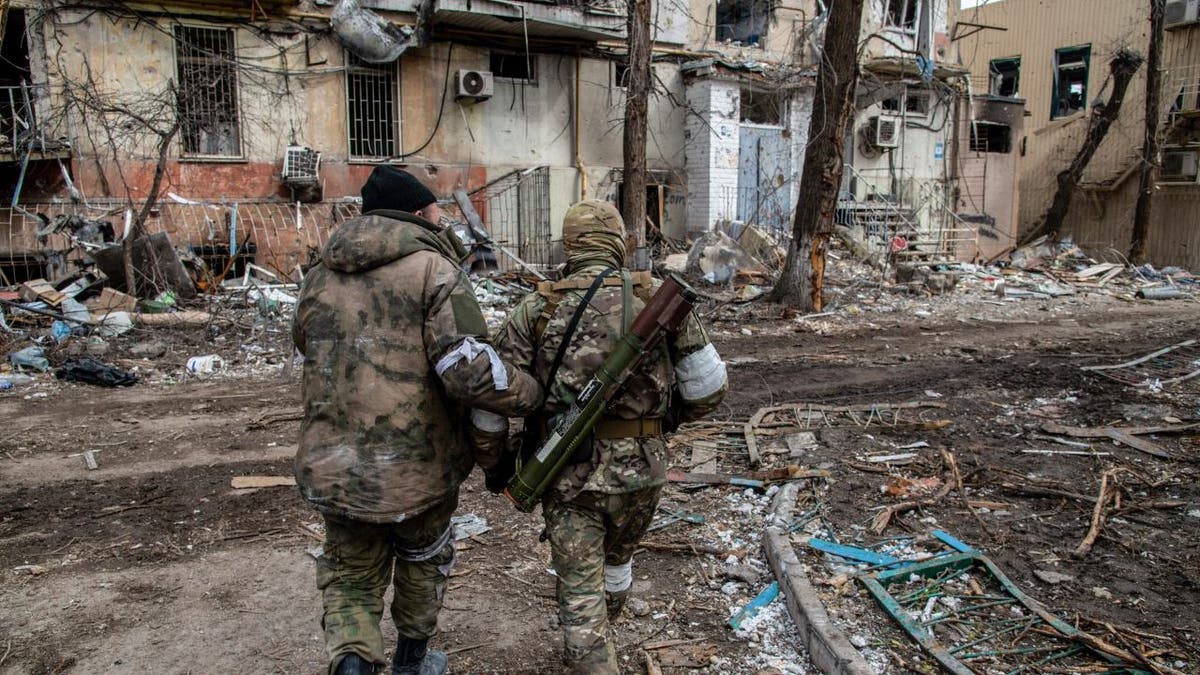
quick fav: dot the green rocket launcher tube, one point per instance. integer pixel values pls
(663, 314)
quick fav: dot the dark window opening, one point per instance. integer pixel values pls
(743, 21)
(14, 52)
(1180, 165)
(373, 116)
(656, 200)
(892, 105)
(1005, 77)
(620, 74)
(1070, 81)
(916, 103)
(991, 137)
(21, 267)
(761, 107)
(208, 92)
(216, 258)
(903, 13)
(513, 66)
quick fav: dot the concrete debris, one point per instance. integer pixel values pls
(717, 259)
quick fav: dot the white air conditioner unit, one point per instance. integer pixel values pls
(1181, 12)
(886, 131)
(473, 84)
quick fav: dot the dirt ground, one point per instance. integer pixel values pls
(153, 563)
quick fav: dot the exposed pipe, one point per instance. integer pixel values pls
(583, 179)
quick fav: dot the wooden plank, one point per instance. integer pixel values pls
(244, 482)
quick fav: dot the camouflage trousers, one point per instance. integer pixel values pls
(359, 561)
(586, 534)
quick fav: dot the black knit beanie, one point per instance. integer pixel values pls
(391, 188)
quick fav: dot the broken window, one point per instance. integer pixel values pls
(620, 74)
(903, 13)
(743, 21)
(991, 137)
(373, 115)
(209, 124)
(513, 66)
(916, 103)
(1180, 165)
(1005, 77)
(1070, 80)
(761, 107)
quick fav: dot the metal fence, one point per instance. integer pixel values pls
(516, 211)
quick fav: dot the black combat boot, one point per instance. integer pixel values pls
(414, 658)
(615, 601)
(353, 664)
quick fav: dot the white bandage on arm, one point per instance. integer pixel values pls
(700, 374)
(489, 422)
(468, 350)
(618, 577)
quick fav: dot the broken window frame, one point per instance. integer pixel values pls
(1080, 58)
(917, 102)
(208, 54)
(1180, 178)
(990, 137)
(373, 110)
(1002, 71)
(761, 101)
(902, 15)
(733, 12)
(528, 71)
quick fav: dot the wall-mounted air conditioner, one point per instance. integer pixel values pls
(476, 85)
(1181, 11)
(886, 131)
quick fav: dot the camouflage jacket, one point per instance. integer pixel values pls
(616, 465)
(395, 349)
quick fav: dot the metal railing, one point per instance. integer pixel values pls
(516, 213)
(919, 208)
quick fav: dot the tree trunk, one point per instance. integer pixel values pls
(137, 226)
(1151, 144)
(803, 274)
(1124, 66)
(633, 206)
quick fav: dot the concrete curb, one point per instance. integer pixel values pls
(828, 648)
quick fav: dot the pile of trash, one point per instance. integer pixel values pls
(88, 327)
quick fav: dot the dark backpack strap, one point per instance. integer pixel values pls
(574, 324)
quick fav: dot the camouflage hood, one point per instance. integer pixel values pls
(381, 237)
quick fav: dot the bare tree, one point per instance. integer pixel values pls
(120, 127)
(633, 207)
(803, 274)
(1124, 65)
(1151, 142)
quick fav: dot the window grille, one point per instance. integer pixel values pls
(208, 92)
(371, 104)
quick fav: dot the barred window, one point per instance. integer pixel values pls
(209, 123)
(372, 94)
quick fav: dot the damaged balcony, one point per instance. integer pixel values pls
(590, 20)
(23, 136)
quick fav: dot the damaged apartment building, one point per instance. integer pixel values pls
(1054, 57)
(260, 121)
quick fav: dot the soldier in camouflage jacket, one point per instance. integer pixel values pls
(604, 501)
(395, 351)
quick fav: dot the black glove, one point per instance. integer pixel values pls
(496, 478)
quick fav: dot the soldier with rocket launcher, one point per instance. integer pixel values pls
(616, 353)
